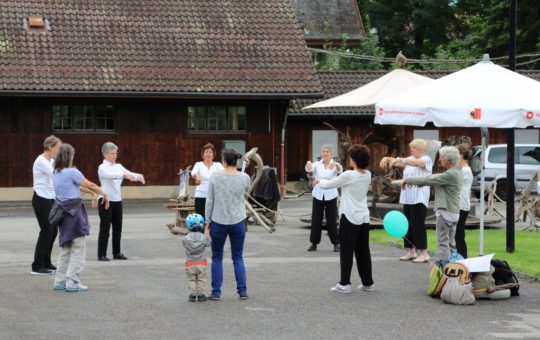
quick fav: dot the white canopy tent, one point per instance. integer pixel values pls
(484, 95)
(389, 85)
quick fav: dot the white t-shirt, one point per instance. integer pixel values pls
(354, 187)
(42, 172)
(413, 194)
(204, 172)
(111, 176)
(320, 172)
(465, 194)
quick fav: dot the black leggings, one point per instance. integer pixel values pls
(113, 216)
(320, 209)
(416, 236)
(47, 234)
(354, 239)
(461, 245)
(200, 205)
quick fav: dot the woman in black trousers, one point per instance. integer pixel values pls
(42, 202)
(324, 201)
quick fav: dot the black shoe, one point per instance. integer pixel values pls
(119, 256)
(103, 258)
(42, 271)
(244, 297)
(214, 298)
(312, 247)
(192, 298)
(50, 266)
(201, 298)
(336, 248)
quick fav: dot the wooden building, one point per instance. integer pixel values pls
(160, 78)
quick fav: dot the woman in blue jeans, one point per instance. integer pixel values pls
(225, 214)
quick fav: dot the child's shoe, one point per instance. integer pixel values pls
(341, 289)
(60, 286)
(201, 298)
(192, 297)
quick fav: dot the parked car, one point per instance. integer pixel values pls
(526, 160)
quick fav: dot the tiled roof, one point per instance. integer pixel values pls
(148, 46)
(336, 83)
(324, 20)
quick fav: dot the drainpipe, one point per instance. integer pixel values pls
(282, 172)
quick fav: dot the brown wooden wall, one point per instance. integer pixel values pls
(151, 135)
(299, 132)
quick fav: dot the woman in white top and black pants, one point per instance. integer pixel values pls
(42, 202)
(415, 199)
(324, 201)
(354, 222)
(202, 172)
(111, 175)
(464, 200)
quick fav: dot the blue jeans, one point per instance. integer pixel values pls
(237, 235)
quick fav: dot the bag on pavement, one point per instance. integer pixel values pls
(457, 293)
(503, 274)
(436, 279)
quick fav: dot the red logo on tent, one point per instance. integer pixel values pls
(530, 115)
(476, 113)
(381, 111)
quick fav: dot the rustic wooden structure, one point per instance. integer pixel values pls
(529, 207)
(183, 204)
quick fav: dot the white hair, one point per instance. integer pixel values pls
(450, 153)
(108, 147)
(328, 147)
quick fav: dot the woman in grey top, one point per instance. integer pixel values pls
(447, 189)
(225, 212)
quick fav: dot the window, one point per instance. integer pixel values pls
(497, 155)
(528, 155)
(217, 118)
(84, 118)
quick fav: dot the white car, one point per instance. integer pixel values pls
(526, 160)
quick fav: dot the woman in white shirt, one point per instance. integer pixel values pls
(464, 200)
(354, 220)
(415, 199)
(324, 200)
(111, 175)
(42, 202)
(201, 173)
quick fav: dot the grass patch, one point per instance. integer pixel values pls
(525, 259)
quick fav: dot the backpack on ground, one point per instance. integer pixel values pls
(436, 279)
(458, 289)
(503, 274)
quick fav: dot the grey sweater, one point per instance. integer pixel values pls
(447, 188)
(225, 200)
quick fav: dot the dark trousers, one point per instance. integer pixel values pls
(461, 246)
(200, 205)
(320, 209)
(416, 236)
(47, 233)
(113, 216)
(354, 239)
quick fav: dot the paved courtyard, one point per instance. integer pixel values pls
(146, 296)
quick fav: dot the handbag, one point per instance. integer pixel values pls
(457, 293)
(56, 215)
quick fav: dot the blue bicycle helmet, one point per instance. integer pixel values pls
(194, 222)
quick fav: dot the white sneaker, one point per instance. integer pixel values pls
(366, 288)
(71, 286)
(341, 289)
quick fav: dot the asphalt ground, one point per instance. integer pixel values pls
(145, 297)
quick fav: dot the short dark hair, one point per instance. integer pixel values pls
(64, 158)
(360, 154)
(206, 147)
(230, 156)
(464, 151)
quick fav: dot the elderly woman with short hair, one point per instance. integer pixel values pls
(324, 200)
(447, 191)
(111, 175)
(415, 199)
(42, 202)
